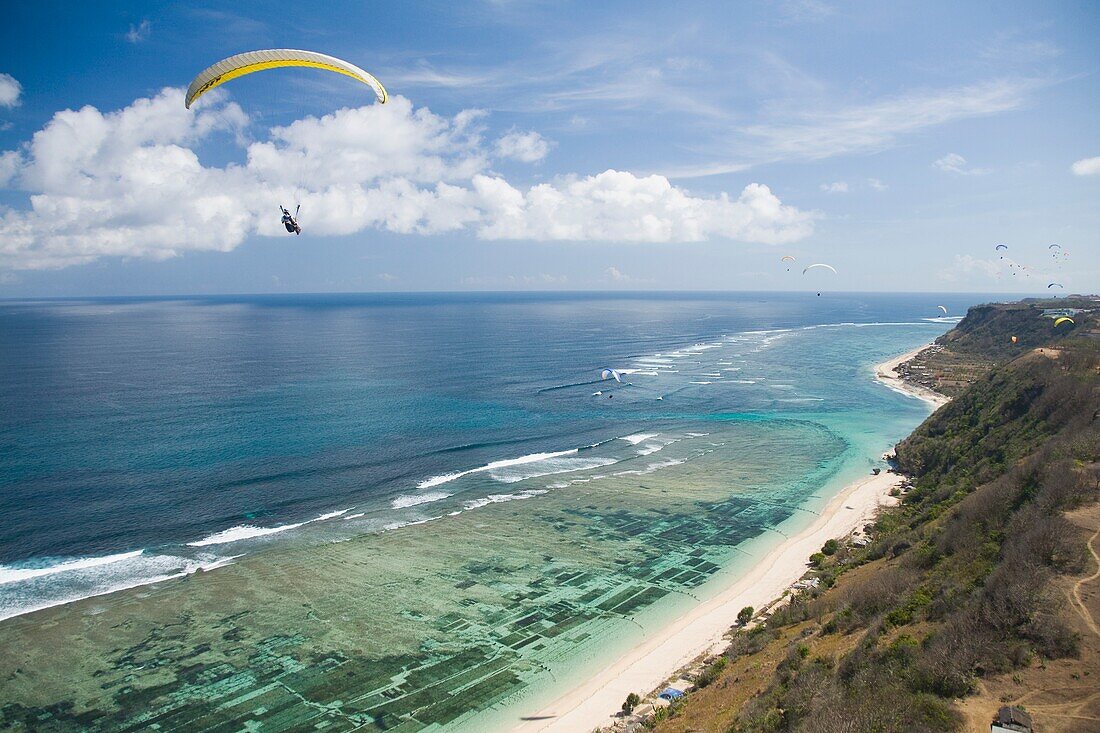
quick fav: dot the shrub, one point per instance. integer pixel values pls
(711, 673)
(830, 547)
(745, 615)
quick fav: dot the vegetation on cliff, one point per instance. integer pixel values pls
(962, 584)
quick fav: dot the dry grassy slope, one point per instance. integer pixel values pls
(1062, 695)
(715, 708)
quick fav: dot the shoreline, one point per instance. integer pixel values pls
(596, 702)
(703, 629)
(886, 372)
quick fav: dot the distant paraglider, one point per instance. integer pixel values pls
(1014, 339)
(819, 264)
(1055, 285)
(609, 374)
(942, 308)
(786, 258)
(1063, 319)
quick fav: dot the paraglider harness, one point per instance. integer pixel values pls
(291, 222)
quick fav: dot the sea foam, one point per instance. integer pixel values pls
(533, 465)
(16, 574)
(251, 531)
(408, 500)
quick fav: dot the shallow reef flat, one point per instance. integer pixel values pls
(427, 625)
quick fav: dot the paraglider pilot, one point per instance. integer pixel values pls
(290, 222)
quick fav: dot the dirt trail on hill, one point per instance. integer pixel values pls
(1077, 600)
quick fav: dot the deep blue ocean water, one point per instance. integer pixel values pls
(138, 424)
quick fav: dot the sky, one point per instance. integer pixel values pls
(553, 146)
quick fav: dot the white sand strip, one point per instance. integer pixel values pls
(886, 372)
(702, 629)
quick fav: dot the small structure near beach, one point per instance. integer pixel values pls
(1010, 720)
(670, 694)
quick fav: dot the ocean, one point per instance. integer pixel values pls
(467, 514)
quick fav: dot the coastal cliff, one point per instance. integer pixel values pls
(980, 589)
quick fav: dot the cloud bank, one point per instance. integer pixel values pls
(130, 183)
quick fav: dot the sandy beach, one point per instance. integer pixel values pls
(887, 374)
(701, 630)
(644, 668)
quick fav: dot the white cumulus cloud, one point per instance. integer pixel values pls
(955, 163)
(835, 187)
(619, 206)
(1086, 167)
(10, 91)
(129, 183)
(526, 147)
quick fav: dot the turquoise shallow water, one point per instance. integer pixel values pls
(423, 512)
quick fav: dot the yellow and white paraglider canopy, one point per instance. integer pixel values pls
(275, 58)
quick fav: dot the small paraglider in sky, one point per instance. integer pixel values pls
(1001, 247)
(609, 374)
(787, 258)
(942, 308)
(1064, 319)
(821, 265)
